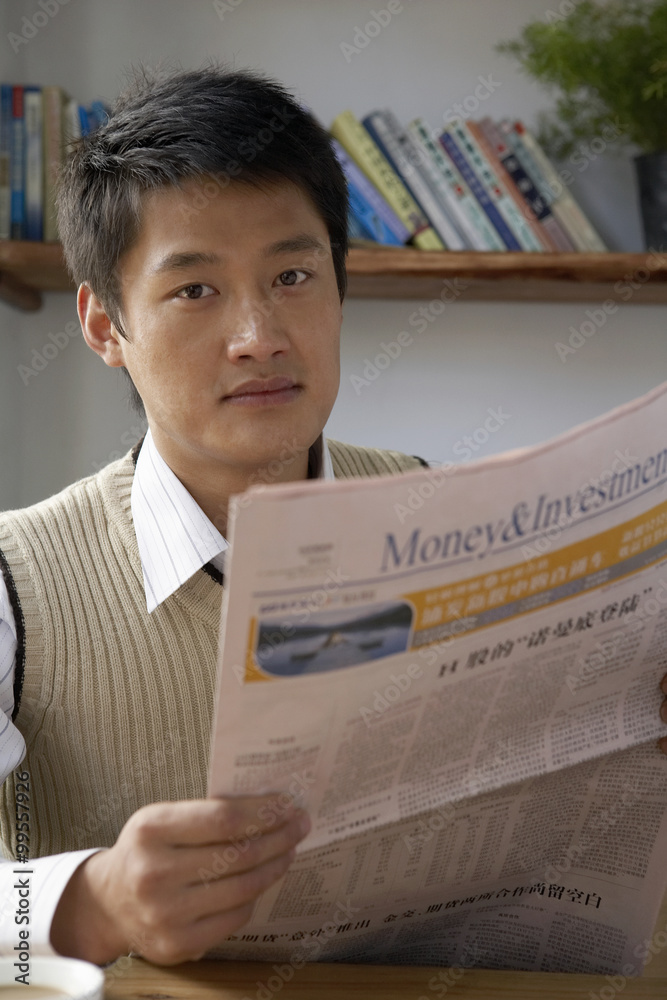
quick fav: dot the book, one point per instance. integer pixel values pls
(404, 156)
(370, 208)
(17, 227)
(71, 123)
(354, 138)
(508, 183)
(457, 156)
(539, 205)
(54, 99)
(34, 171)
(464, 207)
(563, 205)
(494, 187)
(5, 160)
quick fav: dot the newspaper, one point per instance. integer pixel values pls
(457, 671)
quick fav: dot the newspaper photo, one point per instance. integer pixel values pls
(456, 671)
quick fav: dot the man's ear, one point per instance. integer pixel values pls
(98, 331)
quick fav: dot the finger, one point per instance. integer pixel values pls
(663, 711)
(663, 683)
(204, 865)
(210, 821)
(663, 744)
(235, 891)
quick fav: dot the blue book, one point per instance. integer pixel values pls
(369, 224)
(479, 191)
(355, 230)
(373, 225)
(17, 165)
(84, 120)
(98, 114)
(5, 161)
(33, 185)
(387, 224)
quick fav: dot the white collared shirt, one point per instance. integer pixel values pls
(175, 539)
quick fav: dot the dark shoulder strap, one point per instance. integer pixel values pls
(20, 631)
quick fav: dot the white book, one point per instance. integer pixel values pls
(463, 205)
(495, 188)
(585, 237)
(391, 136)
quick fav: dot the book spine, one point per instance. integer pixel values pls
(354, 138)
(367, 217)
(355, 228)
(495, 218)
(387, 133)
(34, 176)
(71, 124)
(506, 179)
(18, 196)
(585, 237)
(54, 100)
(5, 160)
(472, 221)
(495, 190)
(559, 238)
(85, 126)
(357, 178)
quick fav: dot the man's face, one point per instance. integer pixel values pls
(233, 318)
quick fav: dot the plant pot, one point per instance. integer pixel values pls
(652, 176)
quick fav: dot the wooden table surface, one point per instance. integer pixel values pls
(134, 979)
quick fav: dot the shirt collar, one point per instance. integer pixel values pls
(174, 535)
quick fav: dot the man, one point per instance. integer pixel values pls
(205, 225)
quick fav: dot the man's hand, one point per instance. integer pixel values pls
(663, 713)
(181, 877)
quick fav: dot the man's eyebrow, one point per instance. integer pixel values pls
(180, 261)
(295, 244)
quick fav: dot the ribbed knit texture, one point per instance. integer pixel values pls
(116, 704)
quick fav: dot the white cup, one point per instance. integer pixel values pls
(74, 979)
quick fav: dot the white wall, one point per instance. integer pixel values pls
(475, 356)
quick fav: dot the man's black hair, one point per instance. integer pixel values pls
(215, 125)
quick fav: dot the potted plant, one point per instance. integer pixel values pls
(607, 63)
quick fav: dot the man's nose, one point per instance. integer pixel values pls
(258, 332)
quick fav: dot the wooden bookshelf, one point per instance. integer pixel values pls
(27, 269)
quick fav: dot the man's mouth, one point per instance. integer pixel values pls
(264, 392)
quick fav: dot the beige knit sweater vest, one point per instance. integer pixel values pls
(115, 704)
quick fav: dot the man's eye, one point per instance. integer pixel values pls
(195, 292)
(292, 276)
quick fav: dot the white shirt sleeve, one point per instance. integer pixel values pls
(12, 744)
(46, 877)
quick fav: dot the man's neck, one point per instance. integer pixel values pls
(212, 484)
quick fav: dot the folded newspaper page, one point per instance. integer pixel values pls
(457, 671)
